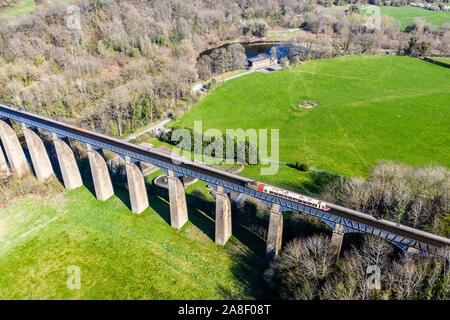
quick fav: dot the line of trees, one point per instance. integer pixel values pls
(133, 61)
(338, 33)
(8, 3)
(221, 147)
(372, 271)
(418, 196)
(95, 75)
(220, 60)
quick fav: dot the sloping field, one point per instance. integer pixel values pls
(25, 7)
(370, 108)
(445, 60)
(407, 15)
(120, 255)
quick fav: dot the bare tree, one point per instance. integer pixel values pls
(302, 266)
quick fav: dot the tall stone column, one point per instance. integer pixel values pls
(223, 217)
(14, 151)
(4, 169)
(100, 174)
(275, 232)
(177, 199)
(336, 242)
(67, 163)
(136, 187)
(39, 157)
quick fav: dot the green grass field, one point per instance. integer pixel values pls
(370, 108)
(446, 60)
(407, 15)
(27, 7)
(121, 255)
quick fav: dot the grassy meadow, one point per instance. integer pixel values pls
(26, 7)
(407, 15)
(442, 59)
(122, 255)
(370, 108)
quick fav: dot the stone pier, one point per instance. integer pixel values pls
(223, 217)
(4, 169)
(14, 151)
(275, 232)
(67, 164)
(136, 187)
(100, 174)
(177, 198)
(41, 162)
(336, 242)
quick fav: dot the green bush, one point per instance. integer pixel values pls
(301, 166)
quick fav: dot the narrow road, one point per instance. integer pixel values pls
(275, 67)
(237, 76)
(157, 126)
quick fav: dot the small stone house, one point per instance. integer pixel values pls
(261, 60)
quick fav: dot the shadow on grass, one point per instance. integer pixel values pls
(86, 175)
(82, 161)
(248, 265)
(245, 249)
(123, 194)
(155, 199)
(317, 182)
(201, 213)
(248, 269)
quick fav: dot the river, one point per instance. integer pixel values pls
(252, 49)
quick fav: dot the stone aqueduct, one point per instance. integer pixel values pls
(34, 126)
(15, 163)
